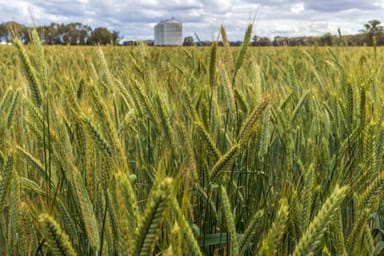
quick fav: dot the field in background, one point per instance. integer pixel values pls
(195, 151)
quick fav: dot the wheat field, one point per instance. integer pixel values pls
(191, 151)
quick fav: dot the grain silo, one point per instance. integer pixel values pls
(169, 32)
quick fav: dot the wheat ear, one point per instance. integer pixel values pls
(100, 141)
(154, 214)
(30, 72)
(224, 162)
(373, 193)
(56, 240)
(5, 100)
(228, 86)
(6, 180)
(354, 237)
(12, 107)
(207, 139)
(252, 121)
(242, 51)
(311, 237)
(227, 48)
(212, 64)
(250, 231)
(337, 232)
(271, 240)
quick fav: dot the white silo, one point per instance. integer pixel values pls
(169, 32)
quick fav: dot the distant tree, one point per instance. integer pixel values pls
(103, 36)
(235, 43)
(327, 39)
(74, 33)
(265, 41)
(10, 29)
(255, 40)
(115, 37)
(3, 32)
(261, 41)
(297, 41)
(280, 41)
(188, 41)
(373, 28)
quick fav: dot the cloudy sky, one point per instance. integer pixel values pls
(136, 19)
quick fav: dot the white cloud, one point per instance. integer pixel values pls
(297, 8)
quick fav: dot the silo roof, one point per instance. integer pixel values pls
(172, 20)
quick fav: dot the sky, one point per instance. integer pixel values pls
(135, 20)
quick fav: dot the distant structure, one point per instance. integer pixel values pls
(169, 32)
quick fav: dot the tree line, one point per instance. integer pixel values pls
(74, 33)
(371, 33)
(77, 33)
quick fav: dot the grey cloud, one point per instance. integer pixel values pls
(335, 6)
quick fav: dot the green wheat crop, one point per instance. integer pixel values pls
(191, 151)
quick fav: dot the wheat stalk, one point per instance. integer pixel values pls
(230, 220)
(86, 208)
(193, 246)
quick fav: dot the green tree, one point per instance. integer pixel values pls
(188, 41)
(327, 39)
(255, 40)
(265, 41)
(261, 41)
(373, 26)
(10, 29)
(103, 36)
(371, 29)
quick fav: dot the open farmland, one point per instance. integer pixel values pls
(194, 151)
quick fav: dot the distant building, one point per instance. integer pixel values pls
(169, 32)
(135, 43)
(5, 43)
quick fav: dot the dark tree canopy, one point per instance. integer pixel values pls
(74, 33)
(373, 26)
(103, 36)
(188, 41)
